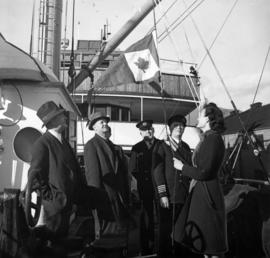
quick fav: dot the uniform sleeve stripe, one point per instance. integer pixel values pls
(161, 188)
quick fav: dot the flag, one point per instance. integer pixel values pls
(139, 63)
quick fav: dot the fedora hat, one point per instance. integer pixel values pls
(48, 111)
(94, 117)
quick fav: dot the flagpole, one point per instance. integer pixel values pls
(160, 73)
(156, 42)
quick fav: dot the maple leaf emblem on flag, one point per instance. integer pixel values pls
(142, 64)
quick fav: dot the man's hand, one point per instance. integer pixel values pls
(164, 202)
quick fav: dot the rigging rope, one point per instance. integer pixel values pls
(212, 60)
(179, 60)
(71, 71)
(189, 45)
(160, 74)
(154, 27)
(156, 37)
(167, 133)
(164, 33)
(223, 83)
(246, 132)
(218, 33)
(257, 88)
(261, 75)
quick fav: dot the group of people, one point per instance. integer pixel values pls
(179, 188)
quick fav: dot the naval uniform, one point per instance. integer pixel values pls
(169, 184)
(140, 166)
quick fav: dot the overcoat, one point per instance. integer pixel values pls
(202, 222)
(60, 177)
(106, 169)
(140, 166)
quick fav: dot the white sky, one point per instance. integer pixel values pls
(238, 53)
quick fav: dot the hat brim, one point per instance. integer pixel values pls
(92, 122)
(52, 116)
(145, 128)
(181, 120)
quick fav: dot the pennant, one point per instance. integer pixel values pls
(139, 63)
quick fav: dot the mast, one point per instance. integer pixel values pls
(49, 35)
(113, 43)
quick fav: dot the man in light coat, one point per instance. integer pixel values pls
(105, 169)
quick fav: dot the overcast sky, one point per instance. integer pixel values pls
(238, 53)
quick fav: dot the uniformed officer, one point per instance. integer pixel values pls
(171, 188)
(140, 166)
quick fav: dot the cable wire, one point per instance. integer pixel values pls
(153, 28)
(222, 81)
(261, 75)
(218, 33)
(180, 61)
(164, 35)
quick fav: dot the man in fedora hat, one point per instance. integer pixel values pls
(105, 169)
(172, 190)
(55, 166)
(140, 166)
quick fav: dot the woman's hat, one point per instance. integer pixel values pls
(48, 111)
(94, 117)
(177, 118)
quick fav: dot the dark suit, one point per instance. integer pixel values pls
(61, 180)
(105, 170)
(140, 166)
(169, 184)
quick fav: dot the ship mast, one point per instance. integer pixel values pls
(49, 33)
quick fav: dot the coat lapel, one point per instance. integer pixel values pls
(107, 150)
(63, 152)
(117, 157)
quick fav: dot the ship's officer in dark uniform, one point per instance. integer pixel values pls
(140, 166)
(172, 189)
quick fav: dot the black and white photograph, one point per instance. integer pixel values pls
(134, 129)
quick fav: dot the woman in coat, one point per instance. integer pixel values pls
(202, 224)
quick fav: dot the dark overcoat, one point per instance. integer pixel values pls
(202, 223)
(61, 180)
(106, 169)
(167, 181)
(140, 166)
